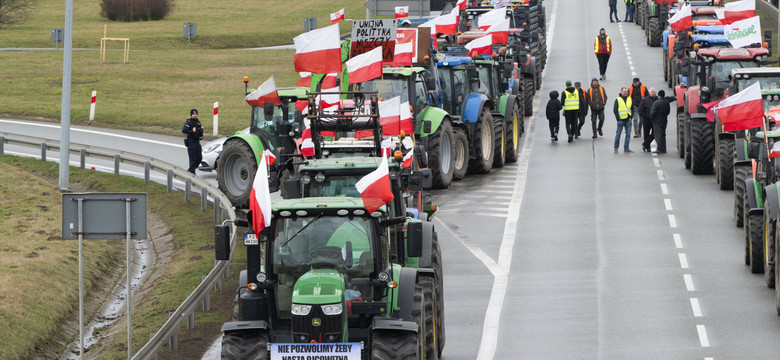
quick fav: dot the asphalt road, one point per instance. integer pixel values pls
(576, 252)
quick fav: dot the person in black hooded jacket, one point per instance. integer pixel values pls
(658, 113)
(194, 131)
(553, 111)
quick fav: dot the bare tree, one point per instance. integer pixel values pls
(14, 11)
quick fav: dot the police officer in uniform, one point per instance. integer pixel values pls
(194, 131)
(571, 109)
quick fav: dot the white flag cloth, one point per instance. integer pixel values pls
(744, 32)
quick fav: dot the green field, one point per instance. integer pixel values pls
(162, 80)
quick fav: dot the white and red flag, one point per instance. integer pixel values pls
(407, 162)
(482, 45)
(365, 67)
(775, 153)
(444, 24)
(318, 51)
(266, 93)
(683, 19)
(330, 100)
(491, 18)
(305, 80)
(374, 188)
(406, 118)
(387, 147)
(390, 115)
(402, 55)
(307, 147)
(337, 16)
(500, 32)
(260, 199)
(743, 110)
(743, 32)
(461, 5)
(269, 157)
(401, 12)
(738, 10)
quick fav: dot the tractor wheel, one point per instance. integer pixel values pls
(755, 243)
(538, 78)
(528, 95)
(514, 130)
(702, 147)
(431, 351)
(499, 147)
(681, 136)
(418, 316)
(740, 174)
(394, 345)
(726, 164)
(440, 146)
(655, 32)
(666, 65)
(436, 264)
(777, 271)
(483, 142)
(460, 161)
(769, 249)
(245, 345)
(237, 172)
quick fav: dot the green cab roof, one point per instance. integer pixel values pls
(770, 92)
(319, 203)
(770, 134)
(356, 162)
(294, 92)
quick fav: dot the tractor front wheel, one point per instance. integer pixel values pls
(681, 136)
(726, 164)
(769, 249)
(702, 147)
(499, 143)
(528, 95)
(236, 172)
(514, 131)
(655, 32)
(740, 174)
(394, 345)
(251, 345)
(440, 145)
(483, 142)
(755, 242)
(460, 161)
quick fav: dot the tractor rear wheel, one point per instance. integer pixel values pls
(483, 142)
(499, 141)
(251, 345)
(514, 130)
(702, 147)
(777, 271)
(431, 351)
(440, 146)
(726, 164)
(394, 345)
(655, 32)
(418, 316)
(769, 249)
(666, 65)
(681, 135)
(460, 161)
(740, 174)
(528, 95)
(438, 270)
(236, 172)
(755, 243)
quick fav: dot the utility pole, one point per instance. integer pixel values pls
(64, 184)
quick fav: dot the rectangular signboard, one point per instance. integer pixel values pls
(305, 351)
(370, 34)
(104, 215)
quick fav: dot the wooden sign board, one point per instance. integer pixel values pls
(370, 34)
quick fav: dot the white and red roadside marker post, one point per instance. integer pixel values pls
(216, 118)
(92, 107)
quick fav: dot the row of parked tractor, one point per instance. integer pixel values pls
(330, 278)
(702, 67)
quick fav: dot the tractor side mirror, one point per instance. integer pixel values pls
(471, 72)
(293, 189)
(754, 149)
(509, 68)
(430, 83)
(416, 181)
(268, 111)
(414, 239)
(427, 178)
(222, 242)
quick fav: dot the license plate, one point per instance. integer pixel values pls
(304, 351)
(250, 239)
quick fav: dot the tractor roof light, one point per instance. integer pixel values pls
(376, 214)
(301, 213)
(358, 212)
(246, 79)
(320, 177)
(398, 155)
(765, 45)
(305, 179)
(342, 212)
(285, 213)
(695, 47)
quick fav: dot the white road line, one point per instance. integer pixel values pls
(705, 342)
(632, 68)
(672, 221)
(677, 241)
(660, 174)
(664, 189)
(709, 358)
(695, 307)
(688, 282)
(683, 260)
(630, 63)
(486, 260)
(96, 133)
(657, 162)
(668, 204)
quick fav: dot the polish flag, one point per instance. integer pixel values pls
(387, 147)
(461, 5)
(500, 32)
(682, 20)
(337, 16)
(491, 18)
(307, 147)
(305, 80)
(775, 153)
(739, 10)
(710, 107)
(743, 110)
(330, 100)
(483, 45)
(302, 106)
(266, 93)
(374, 188)
(401, 12)
(407, 162)
(260, 199)
(390, 115)
(445, 24)
(402, 55)
(318, 51)
(365, 67)
(269, 157)
(406, 118)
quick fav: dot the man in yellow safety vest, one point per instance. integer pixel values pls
(622, 110)
(571, 109)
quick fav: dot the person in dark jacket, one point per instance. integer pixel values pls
(613, 10)
(553, 110)
(583, 109)
(637, 91)
(630, 6)
(658, 113)
(194, 131)
(645, 120)
(571, 108)
(597, 99)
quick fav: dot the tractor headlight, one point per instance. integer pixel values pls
(300, 309)
(320, 177)
(261, 277)
(331, 309)
(383, 276)
(305, 179)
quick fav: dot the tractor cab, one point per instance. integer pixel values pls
(414, 85)
(272, 122)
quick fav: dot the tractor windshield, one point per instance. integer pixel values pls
(455, 87)
(485, 76)
(335, 186)
(389, 87)
(267, 125)
(771, 103)
(720, 73)
(767, 83)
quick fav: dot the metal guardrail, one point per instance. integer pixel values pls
(185, 312)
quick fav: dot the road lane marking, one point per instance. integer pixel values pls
(705, 342)
(486, 260)
(96, 133)
(664, 189)
(688, 282)
(657, 162)
(660, 174)
(677, 241)
(695, 307)
(672, 221)
(683, 260)
(668, 204)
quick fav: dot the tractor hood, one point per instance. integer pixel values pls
(320, 286)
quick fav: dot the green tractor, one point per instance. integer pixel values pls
(322, 277)
(654, 16)
(270, 128)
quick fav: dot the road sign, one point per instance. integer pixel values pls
(387, 7)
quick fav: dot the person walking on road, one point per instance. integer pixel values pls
(646, 120)
(194, 131)
(597, 99)
(613, 10)
(553, 110)
(603, 49)
(622, 110)
(630, 6)
(658, 114)
(583, 109)
(571, 109)
(637, 91)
